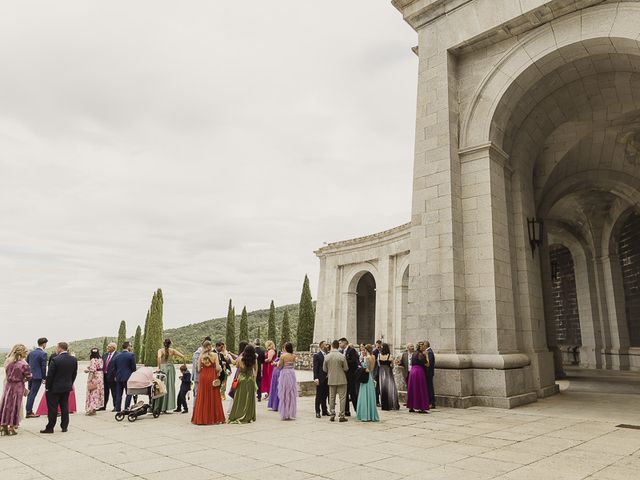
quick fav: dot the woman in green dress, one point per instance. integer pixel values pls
(166, 356)
(366, 410)
(244, 397)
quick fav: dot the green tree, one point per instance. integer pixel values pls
(122, 334)
(153, 340)
(306, 318)
(271, 325)
(144, 338)
(231, 328)
(286, 327)
(104, 344)
(259, 333)
(244, 325)
(137, 345)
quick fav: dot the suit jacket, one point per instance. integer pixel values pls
(353, 359)
(260, 353)
(335, 365)
(109, 371)
(432, 362)
(63, 369)
(37, 360)
(125, 365)
(404, 363)
(376, 367)
(318, 371)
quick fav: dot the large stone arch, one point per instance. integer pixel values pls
(601, 29)
(350, 293)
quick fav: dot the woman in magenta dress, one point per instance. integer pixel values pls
(267, 367)
(17, 372)
(95, 383)
(417, 392)
(42, 407)
(287, 384)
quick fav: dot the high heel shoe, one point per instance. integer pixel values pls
(12, 431)
(4, 430)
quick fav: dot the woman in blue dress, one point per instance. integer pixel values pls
(366, 410)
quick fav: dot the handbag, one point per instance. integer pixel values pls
(91, 386)
(234, 384)
(216, 383)
(362, 375)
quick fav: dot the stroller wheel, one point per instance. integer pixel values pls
(156, 414)
(119, 416)
(132, 417)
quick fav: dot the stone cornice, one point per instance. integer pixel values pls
(387, 235)
(420, 12)
(489, 149)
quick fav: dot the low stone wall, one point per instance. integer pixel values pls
(304, 360)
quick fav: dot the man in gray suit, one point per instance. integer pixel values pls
(335, 365)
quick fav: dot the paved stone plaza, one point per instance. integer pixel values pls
(572, 435)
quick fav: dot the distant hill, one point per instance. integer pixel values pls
(188, 338)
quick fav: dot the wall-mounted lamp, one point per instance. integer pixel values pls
(535, 227)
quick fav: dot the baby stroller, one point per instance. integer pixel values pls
(144, 382)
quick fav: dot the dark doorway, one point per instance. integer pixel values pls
(366, 309)
(629, 251)
(564, 297)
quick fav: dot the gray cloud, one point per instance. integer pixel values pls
(206, 148)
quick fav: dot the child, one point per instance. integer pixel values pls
(185, 387)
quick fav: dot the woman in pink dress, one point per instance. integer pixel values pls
(17, 373)
(95, 383)
(267, 369)
(42, 407)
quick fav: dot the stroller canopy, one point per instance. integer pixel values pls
(141, 378)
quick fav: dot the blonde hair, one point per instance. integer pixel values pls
(270, 345)
(18, 352)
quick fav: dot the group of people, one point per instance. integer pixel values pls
(357, 376)
(365, 379)
(259, 373)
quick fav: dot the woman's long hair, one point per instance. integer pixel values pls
(167, 344)
(95, 353)
(18, 352)
(249, 356)
(385, 349)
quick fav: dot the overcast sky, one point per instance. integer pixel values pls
(204, 147)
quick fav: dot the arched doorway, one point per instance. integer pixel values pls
(629, 253)
(366, 309)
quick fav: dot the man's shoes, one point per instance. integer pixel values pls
(102, 409)
(318, 415)
(433, 406)
(333, 418)
(378, 405)
(114, 410)
(185, 411)
(32, 415)
(325, 414)
(348, 414)
(46, 431)
(177, 410)
(343, 419)
(64, 430)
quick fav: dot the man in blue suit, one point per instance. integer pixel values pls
(125, 365)
(37, 360)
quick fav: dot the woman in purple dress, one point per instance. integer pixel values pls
(274, 402)
(417, 392)
(17, 372)
(287, 384)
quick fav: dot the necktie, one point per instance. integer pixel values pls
(108, 360)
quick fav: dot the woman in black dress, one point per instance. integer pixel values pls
(388, 389)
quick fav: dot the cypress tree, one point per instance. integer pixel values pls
(258, 335)
(271, 326)
(306, 318)
(153, 340)
(286, 327)
(231, 328)
(122, 334)
(244, 325)
(104, 344)
(144, 338)
(137, 346)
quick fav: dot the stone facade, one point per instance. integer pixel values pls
(525, 109)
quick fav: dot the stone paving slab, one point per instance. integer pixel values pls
(549, 439)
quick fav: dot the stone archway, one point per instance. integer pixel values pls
(366, 309)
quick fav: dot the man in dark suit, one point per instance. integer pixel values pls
(125, 365)
(109, 373)
(353, 362)
(431, 369)
(260, 355)
(376, 370)
(37, 360)
(405, 361)
(63, 370)
(320, 379)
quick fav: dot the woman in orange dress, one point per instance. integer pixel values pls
(208, 406)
